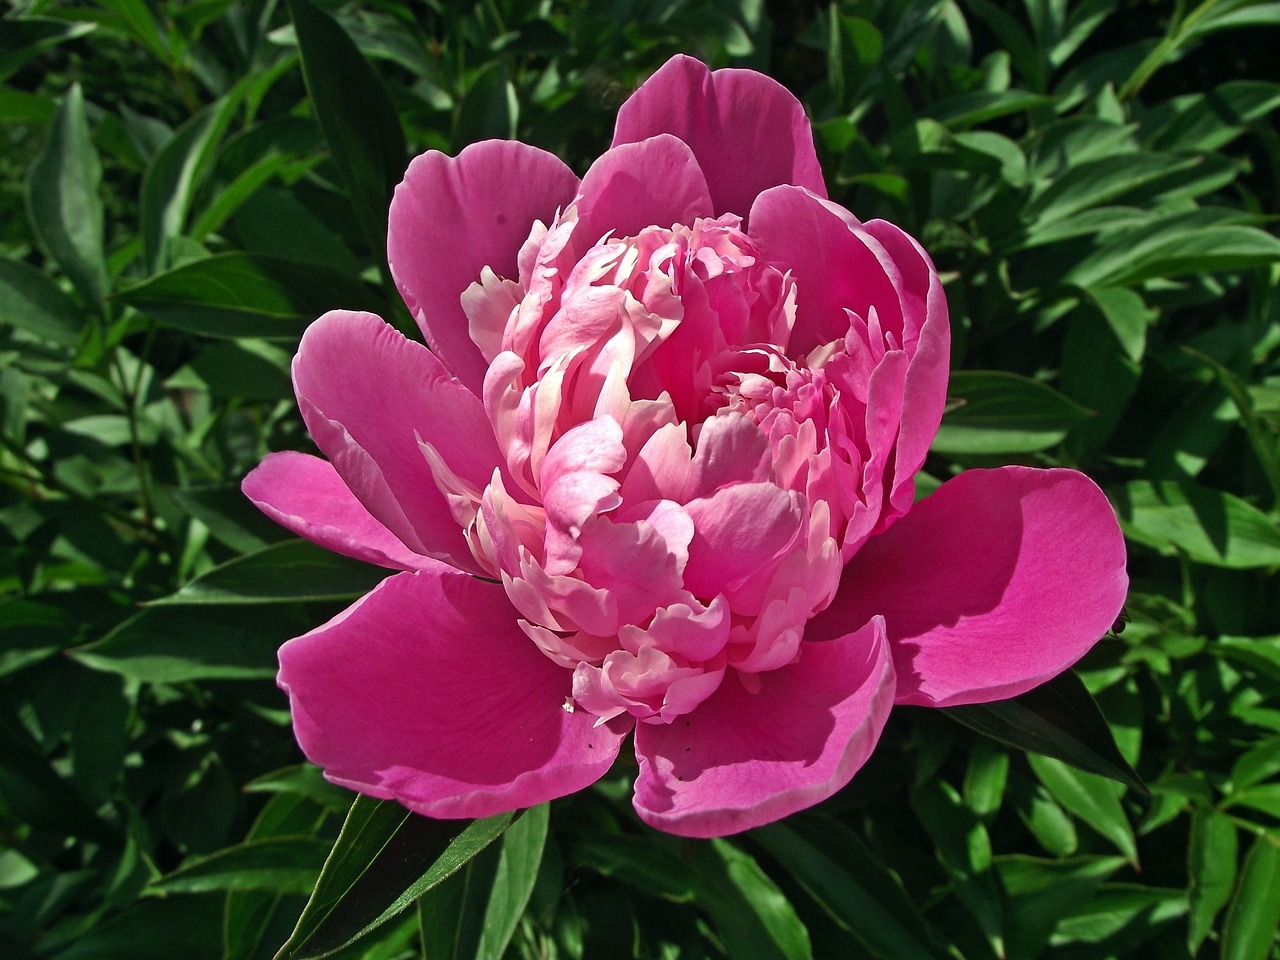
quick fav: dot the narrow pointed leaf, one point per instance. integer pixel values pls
(246, 295)
(1093, 799)
(1058, 719)
(998, 412)
(64, 201)
(1211, 867)
(283, 572)
(31, 301)
(518, 862)
(175, 172)
(850, 884)
(384, 859)
(1250, 931)
(1208, 526)
(357, 115)
(281, 864)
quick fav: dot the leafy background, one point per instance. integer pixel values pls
(184, 185)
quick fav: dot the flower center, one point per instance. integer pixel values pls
(653, 522)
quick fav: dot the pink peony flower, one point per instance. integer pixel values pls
(655, 475)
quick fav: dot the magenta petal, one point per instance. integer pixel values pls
(368, 395)
(995, 583)
(744, 759)
(305, 495)
(927, 338)
(427, 692)
(837, 265)
(747, 131)
(453, 216)
(637, 185)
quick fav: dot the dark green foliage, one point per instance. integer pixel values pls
(184, 185)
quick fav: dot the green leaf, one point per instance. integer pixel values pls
(170, 644)
(1103, 181)
(963, 110)
(1261, 438)
(1178, 244)
(294, 570)
(474, 913)
(35, 794)
(64, 201)
(174, 173)
(1209, 526)
(1264, 797)
(1254, 766)
(851, 884)
(750, 914)
(25, 39)
(246, 368)
(1250, 930)
(357, 115)
(1255, 653)
(1127, 314)
(30, 301)
(246, 295)
(1209, 121)
(521, 853)
(749, 900)
(1042, 892)
(155, 929)
(964, 849)
(281, 864)
(303, 780)
(384, 859)
(1211, 869)
(1093, 799)
(1003, 413)
(1058, 719)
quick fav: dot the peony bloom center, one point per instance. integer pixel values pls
(676, 488)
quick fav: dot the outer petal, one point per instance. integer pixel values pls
(747, 131)
(637, 185)
(427, 692)
(997, 582)
(453, 216)
(368, 395)
(304, 494)
(743, 759)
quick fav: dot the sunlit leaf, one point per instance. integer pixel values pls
(998, 412)
(1209, 526)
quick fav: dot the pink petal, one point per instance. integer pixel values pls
(368, 395)
(739, 536)
(927, 337)
(453, 216)
(837, 264)
(747, 131)
(305, 495)
(997, 582)
(427, 692)
(655, 182)
(744, 759)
